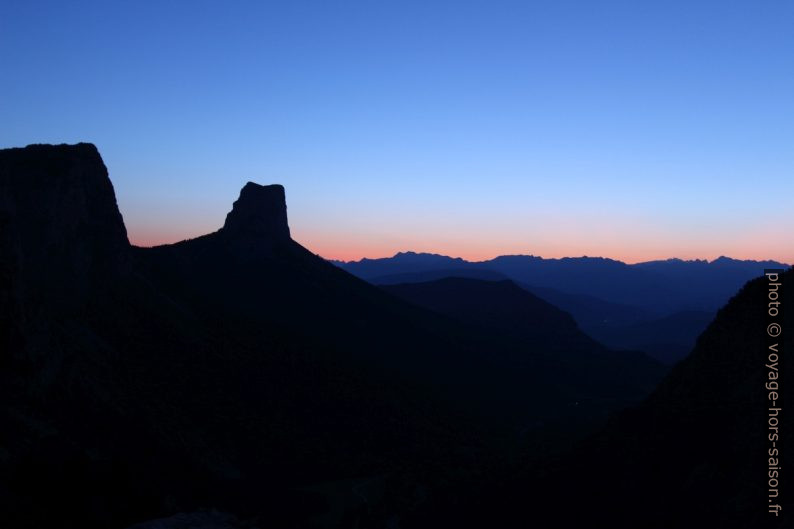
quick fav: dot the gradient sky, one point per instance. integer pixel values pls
(632, 130)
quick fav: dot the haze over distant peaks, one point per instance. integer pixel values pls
(425, 257)
(658, 287)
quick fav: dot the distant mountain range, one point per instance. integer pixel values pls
(659, 307)
(241, 372)
(659, 287)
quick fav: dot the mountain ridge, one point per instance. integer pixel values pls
(659, 287)
(419, 255)
(238, 370)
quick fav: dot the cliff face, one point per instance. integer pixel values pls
(257, 223)
(58, 210)
(260, 213)
(61, 235)
(695, 453)
(112, 392)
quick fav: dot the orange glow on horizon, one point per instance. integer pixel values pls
(355, 248)
(351, 252)
(481, 257)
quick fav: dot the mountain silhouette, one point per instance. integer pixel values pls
(240, 371)
(660, 288)
(702, 435)
(259, 215)
(668, 339)
(694, 454)
(622, 327)
(432, 275)
(402, 262)
(498, 305)
(503, 309)
(658, 307)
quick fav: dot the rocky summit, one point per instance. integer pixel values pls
(260, 213)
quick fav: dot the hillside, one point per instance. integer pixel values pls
(242, 372)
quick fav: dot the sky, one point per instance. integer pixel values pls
(630, 130)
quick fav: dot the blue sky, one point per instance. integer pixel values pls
(633, 130)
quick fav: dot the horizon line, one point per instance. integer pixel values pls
(483, 259)
(606, 258)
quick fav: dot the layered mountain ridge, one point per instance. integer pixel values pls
(240, 371)
(658, 307)
(698, 452)
(659, 287)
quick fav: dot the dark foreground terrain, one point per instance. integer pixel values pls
(239, 372)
